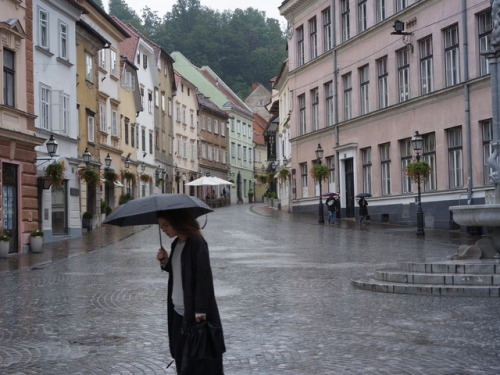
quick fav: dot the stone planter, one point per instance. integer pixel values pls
(477, 215)
(4, 249)
(36, 244)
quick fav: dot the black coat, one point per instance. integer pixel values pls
(198, 286)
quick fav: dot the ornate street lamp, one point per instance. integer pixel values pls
(107, 161)
(417, 143)
(319, 156)
(51, 149)
(87, 156)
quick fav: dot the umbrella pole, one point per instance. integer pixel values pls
(159, 231)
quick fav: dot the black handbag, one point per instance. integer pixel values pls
(204, 341)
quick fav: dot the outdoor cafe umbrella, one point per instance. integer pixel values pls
(142, 211)
(202, 181)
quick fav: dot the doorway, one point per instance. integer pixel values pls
(59, 209)
(349, 187)
(9, 204)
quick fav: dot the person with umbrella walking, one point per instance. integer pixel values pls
(363, 209)
(191, 297)
(333, 206)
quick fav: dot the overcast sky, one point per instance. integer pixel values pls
(164, 6)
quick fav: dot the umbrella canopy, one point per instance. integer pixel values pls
(220, 181)
(202, 181)
(142, 211)
(363, 195)
(329, 194)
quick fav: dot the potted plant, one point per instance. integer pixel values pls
(250, 196)
(110, 177)
(36, 241)
(145, 177)
(263, 179)
(4, 244)
(90, 176)
(418, 170)
(87, 220)
(55, 173)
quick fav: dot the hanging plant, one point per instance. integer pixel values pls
(177, 178)
(90, 176)
(129, 176)
(110, 176)
(284, 174)
(159, 181)
(319, 172)
(271, 177)
(55, 173)
(145, 177)
(418, 169)
(263, 179)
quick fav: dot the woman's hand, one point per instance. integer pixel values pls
(162, 256)
(200, 317)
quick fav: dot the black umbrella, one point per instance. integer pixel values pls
(363, 195)
(142, 211)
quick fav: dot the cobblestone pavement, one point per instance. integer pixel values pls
(283, 288)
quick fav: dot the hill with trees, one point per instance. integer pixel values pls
(241, 46)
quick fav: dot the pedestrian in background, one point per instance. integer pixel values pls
(363, 209)
(191, 297)
(331, 203)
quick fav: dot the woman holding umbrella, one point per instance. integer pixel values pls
(363, 207)
(191, 298)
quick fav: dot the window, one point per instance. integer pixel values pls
(157, 97)
(366, 159)
(239, 152)
(327, 30)
(113, 67)
(65, 103)
(401, 4)
(426, 69)
(303, 179)
(381, 10)
(132, 135)
(452, 56)
(102, 117)
(178, 113)
(150, 142)
(383, 94)
(43, 29)
(300, 46)
(315, 109)
(170, 107)
(347, 80)
(89, 68)
(403, 59)
(150, 102)
(363, 89)
(144, 61)
(44, 107)
(138, 58)
(209, 125)
(455, 166)
(487, 130)
(125, 130)
(191, 119)
(406, 158)
(362, 25)
(114, 123)
(429, 156)
(330, 163)
(90, 128)
(9, 74)
(385, 166)
(216, 127)
(143, 139)
(313, 39)
(163, 101)
(102, 59)
(329, 103)
(302, 114)
(233, 149)
(63, 41)
(344, 8)
(484, 30)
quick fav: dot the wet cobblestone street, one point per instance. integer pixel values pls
(283, 286)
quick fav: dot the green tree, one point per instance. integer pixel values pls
(121, 10)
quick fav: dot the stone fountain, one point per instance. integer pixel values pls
(487, 214)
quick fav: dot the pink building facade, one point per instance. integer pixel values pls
(362, 90)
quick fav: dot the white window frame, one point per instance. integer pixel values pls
(90, 128)
(426, 66)
(362, 17)
(403, 60)
(313, 38)
(347, 81)
(302, 114)
(484, 35)
(114, 123)
(326, 16)
(364, 88)
(383, 91)
(315, 109)
(452, 55)
(43, 29)
(102, 117)
(63, 41)
(45, 107)
(385, 168)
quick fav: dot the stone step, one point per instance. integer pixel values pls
(427, 289)
(475, 267)
(443, 279)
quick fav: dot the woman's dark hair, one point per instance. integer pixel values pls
(182, 221)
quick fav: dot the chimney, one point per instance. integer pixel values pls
(254, 86)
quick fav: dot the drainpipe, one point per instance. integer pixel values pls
(335, 92)
(468, 150)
